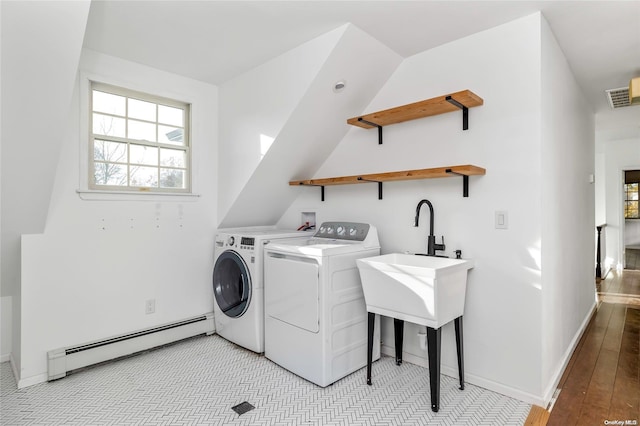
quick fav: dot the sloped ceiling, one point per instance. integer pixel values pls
(214, 41)
(255, 106)
(315, 127)
(41, 44)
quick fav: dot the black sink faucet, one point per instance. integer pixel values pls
(431, 239)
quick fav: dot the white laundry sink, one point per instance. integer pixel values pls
(424, 290)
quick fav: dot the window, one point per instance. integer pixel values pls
(138, 142)
(631, 201)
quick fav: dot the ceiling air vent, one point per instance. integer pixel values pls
(618, 98)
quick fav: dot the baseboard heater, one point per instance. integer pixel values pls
(63, 360)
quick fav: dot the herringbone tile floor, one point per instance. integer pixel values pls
(197, 381)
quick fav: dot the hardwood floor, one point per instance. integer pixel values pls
(602, 380)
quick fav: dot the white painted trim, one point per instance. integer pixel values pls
(468, 378)
(499, 387)
(135, 196)
(622, 229)
(86, 77)
(5, 358)
(40, 378)
(30, 381)
(553, 384)
(13, 367)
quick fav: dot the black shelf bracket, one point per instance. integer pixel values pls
(465, 182)
(374, 125)
(374, 181)
(321, 189)
(465, 111)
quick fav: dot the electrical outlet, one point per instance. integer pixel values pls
(150, 306)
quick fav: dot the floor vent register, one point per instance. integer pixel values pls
(242, 408)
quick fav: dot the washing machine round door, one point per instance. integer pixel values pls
(231, 284)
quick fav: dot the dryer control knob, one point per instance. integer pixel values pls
(231, 240)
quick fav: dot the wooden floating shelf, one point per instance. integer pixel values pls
(457, 101)
(417, 110)
(438, 172)
(465, 171)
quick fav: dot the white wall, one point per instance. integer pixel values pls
(257, 104)
(504, 302)
(5, 301)
(620, 155)
(314, 127)
(41, 44)
(601, 205)
(87, 277)
(632, 233)
(568, 214)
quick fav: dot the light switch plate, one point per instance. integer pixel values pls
(502, 219)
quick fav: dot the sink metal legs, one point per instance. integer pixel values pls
(370, 326)
(459, 350)
(398, 333)
(433, 349)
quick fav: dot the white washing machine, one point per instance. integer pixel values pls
(315, 313)
(238, 283)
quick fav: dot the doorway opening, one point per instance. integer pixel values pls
(632, 219)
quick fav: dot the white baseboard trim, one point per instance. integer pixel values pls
(33, 380)
(12, 362)
(540, 400)
(555, 378)
(29, 381)
(468, 378)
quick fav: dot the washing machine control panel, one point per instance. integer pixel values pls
(237, 241)
(343, 231)
(247, 243)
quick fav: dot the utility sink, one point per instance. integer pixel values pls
(424, 290)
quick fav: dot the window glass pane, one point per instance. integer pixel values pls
(172, 135)
(108, 125)
(170, 115)
(113, 152)
(144, 176)
(138, 141)
(142, 110)
(172, 158)
(106, 102)
(110, 174)
(172, 178)
(142, 131)
(140, 154)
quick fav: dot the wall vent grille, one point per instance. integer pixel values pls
(618, 98)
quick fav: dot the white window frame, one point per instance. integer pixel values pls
(186, 146)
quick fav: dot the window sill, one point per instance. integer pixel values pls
(135, 196)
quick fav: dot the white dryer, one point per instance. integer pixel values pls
(315, 313)
(238, 283)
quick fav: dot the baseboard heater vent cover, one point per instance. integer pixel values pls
(63, 360)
